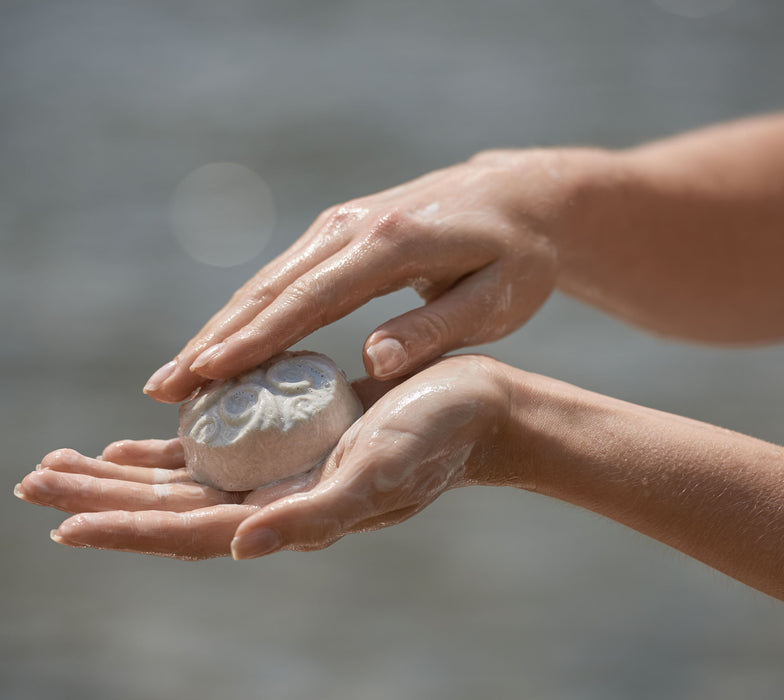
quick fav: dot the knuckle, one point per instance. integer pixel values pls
(256, 290)
(135, 526)
(330, 218)
(433, 326)
(320, 533)
(339, 216)
(328, 214)
(486, 170)
(394, 232)
(308, 296)
(261, 293)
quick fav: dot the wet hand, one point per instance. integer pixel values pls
(439, 429)
(473, 240)
(138, 497)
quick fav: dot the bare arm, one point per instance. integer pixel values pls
(684, 236)
(708, 492)
(711, 493)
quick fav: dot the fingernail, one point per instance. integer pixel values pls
(56, 537)
(255, 544)
(387, 357)
(18, 492)
(207, 356)
(160, 376)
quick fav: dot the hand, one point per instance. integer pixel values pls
(437, 430)
(473, 240)
(138, 497)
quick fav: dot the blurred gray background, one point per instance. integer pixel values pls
(106, 106)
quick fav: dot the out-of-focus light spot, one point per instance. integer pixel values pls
(695, 8)
(222, 214)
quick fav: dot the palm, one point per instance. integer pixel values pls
(416, 441)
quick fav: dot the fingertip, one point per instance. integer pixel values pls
(177, 388)
(60, 535)
(386, 357)
(230, 357)
(172, 383)
(164, 395)
(69, 531)
(59, 460)
(159, 377)
(207, 357)
(115, 449)
(256, 543)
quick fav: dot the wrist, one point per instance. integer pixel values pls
(514, 403)
(561, 185)
(571, 195)
(594, 184)
(482, 388)
(544, 432)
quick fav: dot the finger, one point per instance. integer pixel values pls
(478, 309)
(164, 454)
(71, 461)
(333, 289)
(175, 381)
(197, 534)
(382, 471)
(452, 320)
(260, 290)
(75, 493)
(317, 518)
(302, 522)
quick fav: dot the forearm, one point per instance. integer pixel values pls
(709, 492)
(684, 236)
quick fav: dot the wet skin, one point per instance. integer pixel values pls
(681, 237)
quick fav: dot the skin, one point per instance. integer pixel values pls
(709, 492)
(427, 435)
(682, 237)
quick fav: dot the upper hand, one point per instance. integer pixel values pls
(473, 240)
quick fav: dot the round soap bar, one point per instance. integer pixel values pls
(277, 420)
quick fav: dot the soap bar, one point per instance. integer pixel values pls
(269, 423)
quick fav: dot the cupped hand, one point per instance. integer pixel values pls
(439, 429)
(138, 497)
(474, 240)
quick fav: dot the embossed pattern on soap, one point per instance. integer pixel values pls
(279, 419)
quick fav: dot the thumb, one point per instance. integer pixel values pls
(478, 309)
(353, 496)
(305, 521)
